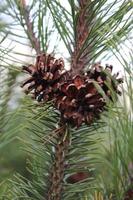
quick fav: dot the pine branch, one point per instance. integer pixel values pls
(58, 168)
(78, 158)
(24, 11)
(82, 31)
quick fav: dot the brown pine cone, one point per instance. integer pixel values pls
(80, 100)
(129, 194)
(46, 76)
(77, 177)
(105, 78)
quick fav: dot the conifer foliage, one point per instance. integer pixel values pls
(65, 116)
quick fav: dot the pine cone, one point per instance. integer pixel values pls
(77, 177)
(79, 100)
(105, 78)
(129, 194)
(46, 76)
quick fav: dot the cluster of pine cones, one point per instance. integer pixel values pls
(80, 98)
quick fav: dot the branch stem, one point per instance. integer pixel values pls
(82, 32)
(57, 175)
(29, 27)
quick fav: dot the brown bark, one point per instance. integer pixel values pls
(79, 59)
(57, 174)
